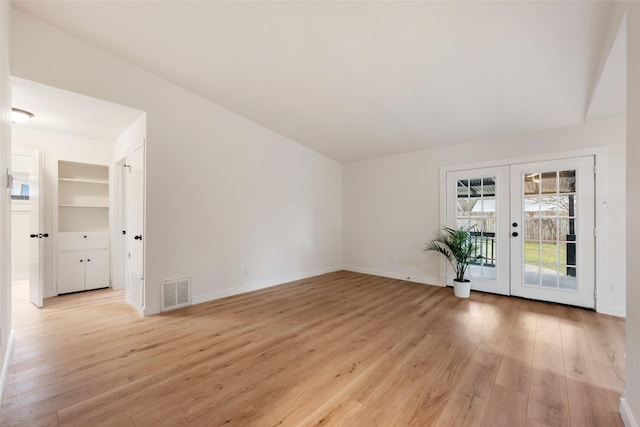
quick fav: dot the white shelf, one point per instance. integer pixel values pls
(83, 197)
(85, 181)
(71, 205)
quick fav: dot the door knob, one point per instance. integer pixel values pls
(515, 224)
(139, 237)
(514, 234)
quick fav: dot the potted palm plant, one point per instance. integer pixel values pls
(460, 248)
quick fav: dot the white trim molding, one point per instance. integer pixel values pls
(237, 290)
(7, 361)
(422, 279)
(627, 416)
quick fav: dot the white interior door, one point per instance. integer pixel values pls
(553, 231)
(37, 231)
(135, 228)
(479, 198)
(136, 209)
(535, 226)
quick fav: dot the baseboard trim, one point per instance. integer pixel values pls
(237, 290)
(612, 311)
(423, 279)
(7, 361)
(627, 416)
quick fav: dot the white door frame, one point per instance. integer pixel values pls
(37, 252)
(119, 241)
(601, 183)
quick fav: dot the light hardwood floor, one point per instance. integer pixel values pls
(340, 349)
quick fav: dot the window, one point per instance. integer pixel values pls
(20, 189)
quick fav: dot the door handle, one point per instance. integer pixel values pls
(139, 237)
(34, 236)
(45, 235)
(514, 234)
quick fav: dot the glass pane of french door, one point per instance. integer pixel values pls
(478, 199)
(476, 210)
(552, 245)
(549, 232)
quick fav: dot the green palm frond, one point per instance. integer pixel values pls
(458, 246)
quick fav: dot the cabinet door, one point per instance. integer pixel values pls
(70, 271)
(97, 269)
(78, 241)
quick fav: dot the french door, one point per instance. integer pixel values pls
(534, 224)
(479, 199)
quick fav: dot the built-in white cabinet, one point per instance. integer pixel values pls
(83, 270)
(83, 197)
(83, 227)
(70, 272)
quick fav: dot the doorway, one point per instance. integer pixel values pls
(75, 136)
(534, 227)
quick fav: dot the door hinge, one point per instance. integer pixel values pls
(595, 294)
(9, 179)
(595, 232)
(595, 168)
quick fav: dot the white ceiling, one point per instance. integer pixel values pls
(358, 80)
(61, 111)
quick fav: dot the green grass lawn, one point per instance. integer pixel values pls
(532, 254)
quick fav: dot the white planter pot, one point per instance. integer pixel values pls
(462, 289)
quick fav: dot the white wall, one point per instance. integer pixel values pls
(5, 194)
(630, 407)
(392, 204)
(66, 147)
(56, 146)
(130, 138)
(231, 204)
